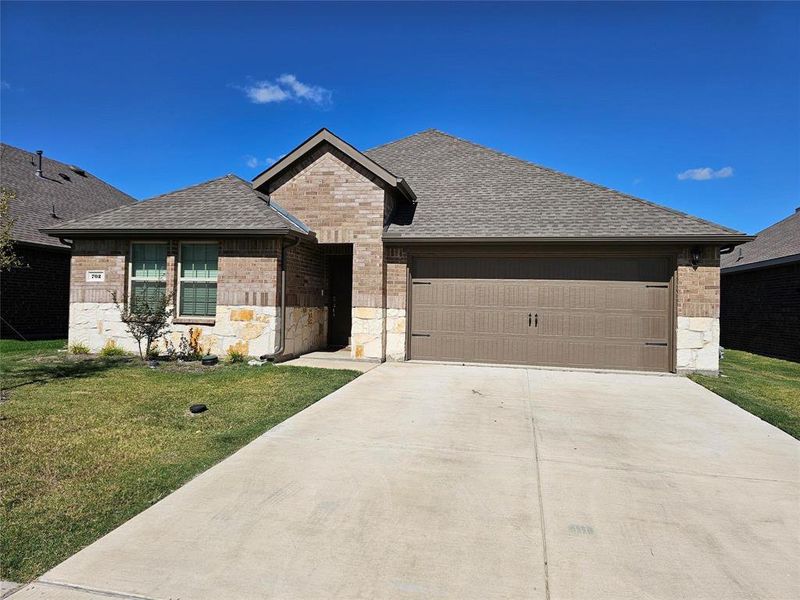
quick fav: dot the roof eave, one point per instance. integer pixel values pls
(724, 240)
(161, 233)
(762, 264)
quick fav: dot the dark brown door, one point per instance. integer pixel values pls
(561, 311)
(340, 277)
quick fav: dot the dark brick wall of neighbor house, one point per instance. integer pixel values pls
(760, 311)
(34, 299)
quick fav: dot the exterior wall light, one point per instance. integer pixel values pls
(695, 252)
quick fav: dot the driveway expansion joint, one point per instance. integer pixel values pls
(532, 421)
(95, 591)
(635, 469)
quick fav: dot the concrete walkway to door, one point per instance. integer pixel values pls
(438, 481)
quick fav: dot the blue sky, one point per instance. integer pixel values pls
(152, 97)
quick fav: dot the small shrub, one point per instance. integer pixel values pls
(79, 348)
(111, 349)
(235, 355)
(190, 348)
(147, 319)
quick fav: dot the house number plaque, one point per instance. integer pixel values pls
(92, 276)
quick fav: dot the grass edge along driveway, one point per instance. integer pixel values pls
(86, 443)
(769, 388)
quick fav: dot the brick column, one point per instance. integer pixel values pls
(698, 291)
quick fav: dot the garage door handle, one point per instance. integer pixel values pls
(535, 319)
(420, 335)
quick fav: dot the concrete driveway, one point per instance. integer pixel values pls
(440, 481)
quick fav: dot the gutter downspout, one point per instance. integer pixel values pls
(282, 340)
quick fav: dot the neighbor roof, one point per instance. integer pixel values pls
(467, 191)
(221, 206)
(61, 189)
(779, 243)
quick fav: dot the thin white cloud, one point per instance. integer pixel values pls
(705, 173)
(5, 85)
(264, 92)
(254, 162)
(287, 87)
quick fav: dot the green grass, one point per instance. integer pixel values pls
(88, 442)
(767, 387)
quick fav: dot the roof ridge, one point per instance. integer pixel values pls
(580, 180)
(405, 137)
(284, 214)
(249, 186)
(796, 213)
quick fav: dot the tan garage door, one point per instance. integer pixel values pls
(560, 311)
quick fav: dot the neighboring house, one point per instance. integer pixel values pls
(34, 298)
(428, 248)
(761, 292)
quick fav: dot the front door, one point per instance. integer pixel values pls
(340, 277)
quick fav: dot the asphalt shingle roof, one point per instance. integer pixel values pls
(470, 191)
(224, 204)
(777, 241)
(73, 195)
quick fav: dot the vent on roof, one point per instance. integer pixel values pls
(77, 170)
(64, 176)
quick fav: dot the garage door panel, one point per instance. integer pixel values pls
(478, 310)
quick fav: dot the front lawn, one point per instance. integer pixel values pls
(767, 387)
(86, 443)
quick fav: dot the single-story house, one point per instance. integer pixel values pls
(427, 248)
(34, 297)
(761, 292)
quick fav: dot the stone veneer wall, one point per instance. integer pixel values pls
(342, 205)
(246, 295)
(698, 291)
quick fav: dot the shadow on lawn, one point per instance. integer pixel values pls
(45, 370)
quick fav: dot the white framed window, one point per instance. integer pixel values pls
(147, 272)
(198, 266)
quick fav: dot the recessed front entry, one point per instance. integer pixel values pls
(340, 294)
(605, 312)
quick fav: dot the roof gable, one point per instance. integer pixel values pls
(64, 191)
(468, 191)
(224, 205)
(324, 136)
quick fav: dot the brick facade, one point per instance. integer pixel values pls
(34, 298)
(306, 276)
(342, 204)
(98, 255)
(698, 287)
(761, 311)
(248, 272)
(347, 210)
(697, 308)
(247, 287)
